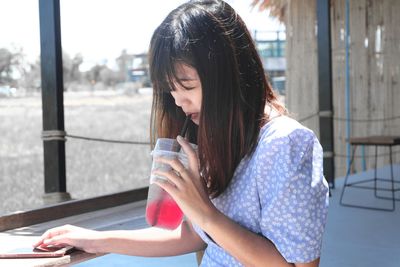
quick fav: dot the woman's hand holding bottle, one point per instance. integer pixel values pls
(187, 187)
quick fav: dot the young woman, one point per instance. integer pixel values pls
(254, 194)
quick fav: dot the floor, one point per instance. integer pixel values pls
(359, 237)
(114, 260)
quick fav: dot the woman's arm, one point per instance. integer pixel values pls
(249, 248)
(151, 242)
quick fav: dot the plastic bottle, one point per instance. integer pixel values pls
(161, 210)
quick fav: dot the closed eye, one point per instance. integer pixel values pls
(186, 83)
(189, 87)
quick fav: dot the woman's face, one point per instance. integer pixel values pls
(188, 96)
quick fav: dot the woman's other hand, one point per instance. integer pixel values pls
(69, 235)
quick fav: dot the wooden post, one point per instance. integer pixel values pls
(52, 96)
(325, 88)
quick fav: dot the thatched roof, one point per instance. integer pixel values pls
(276, 7)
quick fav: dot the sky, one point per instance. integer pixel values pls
(100, 29)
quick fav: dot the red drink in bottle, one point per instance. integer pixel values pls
(162, 211)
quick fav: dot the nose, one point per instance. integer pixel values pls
(179, 98)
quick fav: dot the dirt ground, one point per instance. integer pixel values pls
(93, 168)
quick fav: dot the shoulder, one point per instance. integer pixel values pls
(284, 132)
(287, 152)
(285, 147)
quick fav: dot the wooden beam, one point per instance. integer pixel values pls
(52, 95)
(70, 208)
(325, 88)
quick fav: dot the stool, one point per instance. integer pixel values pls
(386, 141)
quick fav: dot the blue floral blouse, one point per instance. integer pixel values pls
(279, 192)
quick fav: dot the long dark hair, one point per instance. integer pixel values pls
(211, 37)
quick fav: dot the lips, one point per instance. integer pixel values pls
(189, 113)
(194, 116)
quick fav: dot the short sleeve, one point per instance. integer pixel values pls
(293, 194)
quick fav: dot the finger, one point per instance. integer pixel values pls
(167, 186)
(39, 242)
(58, 240)
(190, 152)
(171, 176)
(174, 163)
(50, 233)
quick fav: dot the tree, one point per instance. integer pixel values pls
(71, 71)
(102, 74)
(31, 79)
(8, 62)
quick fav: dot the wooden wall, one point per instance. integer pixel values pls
(301, 55)
(374, 71)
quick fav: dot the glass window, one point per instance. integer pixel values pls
(21, 150)
(108, 92)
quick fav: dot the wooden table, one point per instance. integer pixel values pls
(385, 141)
(129, 216)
